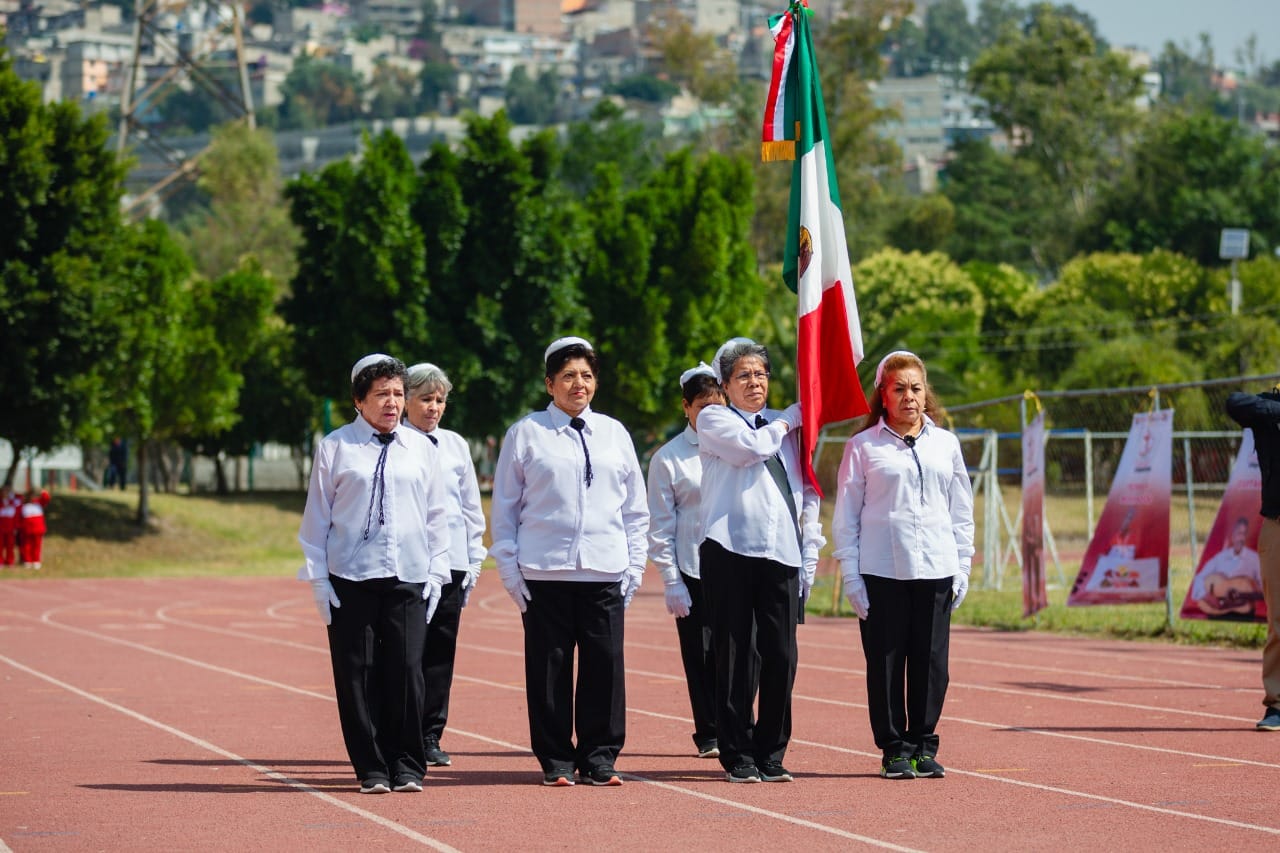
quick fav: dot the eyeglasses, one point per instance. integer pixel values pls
(759, 376)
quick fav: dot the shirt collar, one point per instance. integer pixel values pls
(883, 427)
(560, 418)
(691, 435)
(366, 430)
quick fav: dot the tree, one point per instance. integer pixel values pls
(906, 46)
(608, 137)
(504, 271)
(1190, 176)
(361, 284)
(925, 224)
(59, 227)
(1067, 106)
(316, 93)
(437, 85)
(692, 59)
(532, 101)
(1005, 210)
(924, 303)
(995, 18)
(244, 214)
(949, 37)
(394, 91)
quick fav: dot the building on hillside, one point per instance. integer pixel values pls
(393, 17)
(541, 17)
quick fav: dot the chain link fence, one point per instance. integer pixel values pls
(1086, 432)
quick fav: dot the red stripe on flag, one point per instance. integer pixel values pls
(830, 390)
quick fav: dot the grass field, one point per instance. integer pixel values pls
(94, 535)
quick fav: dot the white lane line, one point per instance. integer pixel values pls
(381, 821)
(1061, 791)
(461, 732)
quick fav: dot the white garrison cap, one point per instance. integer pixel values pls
(724, 347)
(368, 361)
(702, 369)
(422, 367)
(561, 343)
(880, 366)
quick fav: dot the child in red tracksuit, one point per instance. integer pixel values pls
(31, 528)
(9, 504)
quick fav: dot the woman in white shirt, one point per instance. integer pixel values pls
(375, 538)
(426, 398)
(675, 482)
(903, 530)
(759, 547)
(569, 522)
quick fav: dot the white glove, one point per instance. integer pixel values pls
(856, 591)
(630, 583)
(791, 416)
(678, 599)
(322, 592)
(806, 585)
(431, 595)
(959, 589)
(469, 583)
(519, 591)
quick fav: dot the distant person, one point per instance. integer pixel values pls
(31, 527)
(903, 531)
(1261, 413)
(569, 521)
(10, 503)
(117, 464)
(426, 398)
(1231, 579)
(675, 484)
(761, 535)
(375, 537)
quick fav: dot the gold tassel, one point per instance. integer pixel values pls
(778, 150)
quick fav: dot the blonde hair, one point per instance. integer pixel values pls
(892, 364)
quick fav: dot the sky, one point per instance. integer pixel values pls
(1149, 24)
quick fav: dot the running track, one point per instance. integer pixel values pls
(199, 715)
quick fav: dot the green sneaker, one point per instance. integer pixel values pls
(927, 767)
(899, 767)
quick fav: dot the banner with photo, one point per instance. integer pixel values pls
(1127, 560)
(1228, 582)
(1034, 597)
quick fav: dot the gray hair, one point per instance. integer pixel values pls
(730, 354)
(426, 377)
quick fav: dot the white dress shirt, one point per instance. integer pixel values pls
(547, 524)
(412, 543)
(742, 507)
(890, 524)
(675, 484)
(462, 500)
(1229, 564)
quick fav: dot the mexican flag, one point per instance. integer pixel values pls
(816, 260)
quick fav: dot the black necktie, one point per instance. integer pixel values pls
(779, 473)
(434, 440)
(579, 424)
(910, 442)
(379, 492)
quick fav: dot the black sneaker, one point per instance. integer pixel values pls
(773, 771)
(927, 767)
(407, 785)
(743, 773)
(436, 757)
(1270, 721)
(710, 749)
(375, 786)
(899, 767)
(601, 774)
(558, 778)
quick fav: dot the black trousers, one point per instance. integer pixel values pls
(696, 651)
(375, 643)
(437, 658)
(752, 607)
(905, 639)
(564, 617)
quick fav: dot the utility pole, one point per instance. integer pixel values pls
(179, 59)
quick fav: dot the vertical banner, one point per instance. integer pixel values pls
(1228, 581)
(1127, 560)
(1034, 597)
